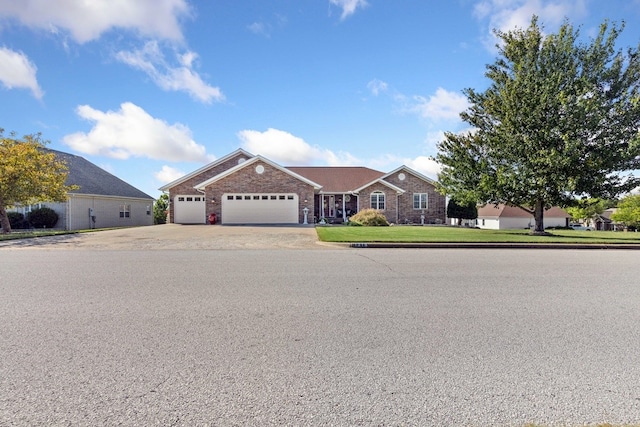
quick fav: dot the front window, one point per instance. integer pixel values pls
(377, 200)
(420, 200)
(125, 211)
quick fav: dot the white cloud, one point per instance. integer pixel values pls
(132, 132)
(285, 148)
(180, 77)
(348, 7)
(507, 15)
(443, 105)
(376, 87)
(168, 174)
(17, 71)
(425, 165)
(88, 20)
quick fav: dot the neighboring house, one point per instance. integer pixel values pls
(241, 188)
(604, 222)
(102, 199)
(503, 217)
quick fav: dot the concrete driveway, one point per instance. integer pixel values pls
(174, 236)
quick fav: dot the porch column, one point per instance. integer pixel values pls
(344, 210)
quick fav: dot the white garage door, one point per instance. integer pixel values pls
(189, 209)
(260, 208)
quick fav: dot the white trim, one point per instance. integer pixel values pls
(242, 165)
(188, 176)
(383, 182)
(412, 172)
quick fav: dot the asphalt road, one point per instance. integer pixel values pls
(319, 337)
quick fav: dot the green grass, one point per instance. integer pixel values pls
(442, 234)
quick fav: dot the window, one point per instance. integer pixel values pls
(420, 200)
(377, 200)
(125, 211)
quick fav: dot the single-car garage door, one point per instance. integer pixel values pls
(260, 208)
(189, 209)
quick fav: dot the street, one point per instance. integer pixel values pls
(319, 337)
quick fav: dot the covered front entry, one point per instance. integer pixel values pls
(189, 209)
(260, 208)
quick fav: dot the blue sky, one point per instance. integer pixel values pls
(153, 89)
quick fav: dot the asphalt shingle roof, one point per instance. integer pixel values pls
(338, 179)
(94, 180)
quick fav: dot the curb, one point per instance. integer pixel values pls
(601, 246)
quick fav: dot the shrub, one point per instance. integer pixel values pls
(16, 220)
(43, 218)
(369, 217)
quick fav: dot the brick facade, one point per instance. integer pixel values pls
(247, 180)
(436, 204)
(186, 187)
(390, 197)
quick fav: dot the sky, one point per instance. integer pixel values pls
(151, 90)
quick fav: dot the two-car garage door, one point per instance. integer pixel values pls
(261, 208)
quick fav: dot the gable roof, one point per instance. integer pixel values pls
(94, 180)
(380, 181)
(504, 211)
(412, 172)
(255, 159)
(188, 176)
(337, 179)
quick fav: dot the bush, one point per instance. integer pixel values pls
(369, 217)
(43, 218)
(16, 220)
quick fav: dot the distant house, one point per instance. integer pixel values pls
(503, 217)
(102, 199)
(604, 222)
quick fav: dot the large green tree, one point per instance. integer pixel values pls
(559, 119)
(28, 174)
(586, 208)
(628, 211)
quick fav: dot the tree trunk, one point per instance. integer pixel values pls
(538, 215)
(4, 219)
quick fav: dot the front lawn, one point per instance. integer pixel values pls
(442, 234)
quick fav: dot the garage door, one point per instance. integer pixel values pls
(189, 209)
(260, 208)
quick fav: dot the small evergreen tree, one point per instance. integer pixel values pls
(461, 211)
(160, 209)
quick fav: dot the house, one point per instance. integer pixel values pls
(604, 222)
(503, 217)
(102, 199)
(242, 188)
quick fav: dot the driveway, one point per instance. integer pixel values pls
(175, 236)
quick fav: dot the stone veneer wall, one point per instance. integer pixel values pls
(272, 180)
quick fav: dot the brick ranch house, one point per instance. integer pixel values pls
(241, 188)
